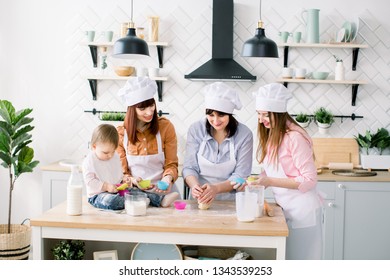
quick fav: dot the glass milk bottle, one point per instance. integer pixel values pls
(74, 192)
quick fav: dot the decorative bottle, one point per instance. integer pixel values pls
(339, 70)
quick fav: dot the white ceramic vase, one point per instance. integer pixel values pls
(339, 71)
(323, 127)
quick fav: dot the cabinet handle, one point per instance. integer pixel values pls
(331, 205)
(341, 186)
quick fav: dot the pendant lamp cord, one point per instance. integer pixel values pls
(131, 11)
(260, 10)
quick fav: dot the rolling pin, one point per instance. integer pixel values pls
(338, 165)
(268, 209)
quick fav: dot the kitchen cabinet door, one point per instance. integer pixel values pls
(329, 209)
(363, 229)
(54, 188)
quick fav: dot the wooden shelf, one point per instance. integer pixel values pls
(324, 45)
(355, 84)
(93, 83)
(311, 81)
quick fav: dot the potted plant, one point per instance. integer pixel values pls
(113, 116)
(69, 250)
(375, 149)
(324, 119)
(17, 157)
(302, 119)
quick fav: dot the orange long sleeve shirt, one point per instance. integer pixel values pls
(147, 145)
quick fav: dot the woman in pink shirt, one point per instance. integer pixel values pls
(286, 152)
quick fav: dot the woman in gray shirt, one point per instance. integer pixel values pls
(219, 149)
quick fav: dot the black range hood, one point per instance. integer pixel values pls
(222, 66)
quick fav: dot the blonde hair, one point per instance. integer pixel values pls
(270, 139)
(105, 133)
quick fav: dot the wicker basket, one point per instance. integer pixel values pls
(16, 245)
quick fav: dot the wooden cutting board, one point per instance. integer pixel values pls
(343, 150)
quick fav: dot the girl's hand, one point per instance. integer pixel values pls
(110, 188)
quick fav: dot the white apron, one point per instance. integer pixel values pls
(303, 214)
(150, 167)
(298, 207)
(216, 172)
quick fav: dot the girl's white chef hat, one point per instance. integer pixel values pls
(137, 89)
(272, 98)
(222, 98)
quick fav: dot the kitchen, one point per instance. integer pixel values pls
(54, 65)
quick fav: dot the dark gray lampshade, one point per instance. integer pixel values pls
(260, 46)
(130, 46)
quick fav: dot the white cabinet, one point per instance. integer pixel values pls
(362, 229)
(54, 187)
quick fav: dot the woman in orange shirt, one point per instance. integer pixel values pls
(147, 143)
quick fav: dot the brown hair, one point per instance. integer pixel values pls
(270, 139)
(130, 122)
(231, 128)
(105, 133)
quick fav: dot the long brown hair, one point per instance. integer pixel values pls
(130, 122)
(271, 138)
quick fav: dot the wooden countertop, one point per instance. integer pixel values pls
(326, 175)
(219, 219)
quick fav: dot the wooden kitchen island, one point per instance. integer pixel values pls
(216, 226)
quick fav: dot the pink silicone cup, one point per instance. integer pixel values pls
(180, 205)
(123, 192)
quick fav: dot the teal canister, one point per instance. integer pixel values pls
(311, 19)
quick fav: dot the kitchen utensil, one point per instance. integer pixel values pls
(311, 20)
(124, 71)
(340, 35)
(144, 184)
(180, 205)
(121, 187)
(268, 209)
(162, 185)
(135, 204)
(355, 28)
(348, 31)
(354, 173)
(339, 165)
(246, 204)
(319, 75)
(328, 150)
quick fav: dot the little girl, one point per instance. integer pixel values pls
(102, 171)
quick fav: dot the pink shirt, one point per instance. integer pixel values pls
(296, 158)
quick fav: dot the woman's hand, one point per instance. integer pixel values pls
(167, 179)
(131, 180)
(196, 191)
(208, 194)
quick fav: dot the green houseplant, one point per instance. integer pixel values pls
(372, 147)
(113, 116)
(324, 119)
(302, 119)
(17, 157)
(69, 250)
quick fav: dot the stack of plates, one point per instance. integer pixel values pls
(348, 32)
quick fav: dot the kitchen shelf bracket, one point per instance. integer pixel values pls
(285, 62)
(160, 54)
(355, 88)
(159, 90)
(354, 94)
(355, 53)
(93, 86)
(93, 50)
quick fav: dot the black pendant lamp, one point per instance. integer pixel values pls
(260, 46)
(130, 46)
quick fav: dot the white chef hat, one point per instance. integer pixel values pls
(137, 89)
(272, 98)
(222, 98)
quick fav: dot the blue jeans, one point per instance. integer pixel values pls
(111, 201)
(155, 199)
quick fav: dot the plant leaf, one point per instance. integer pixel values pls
(7, 111)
